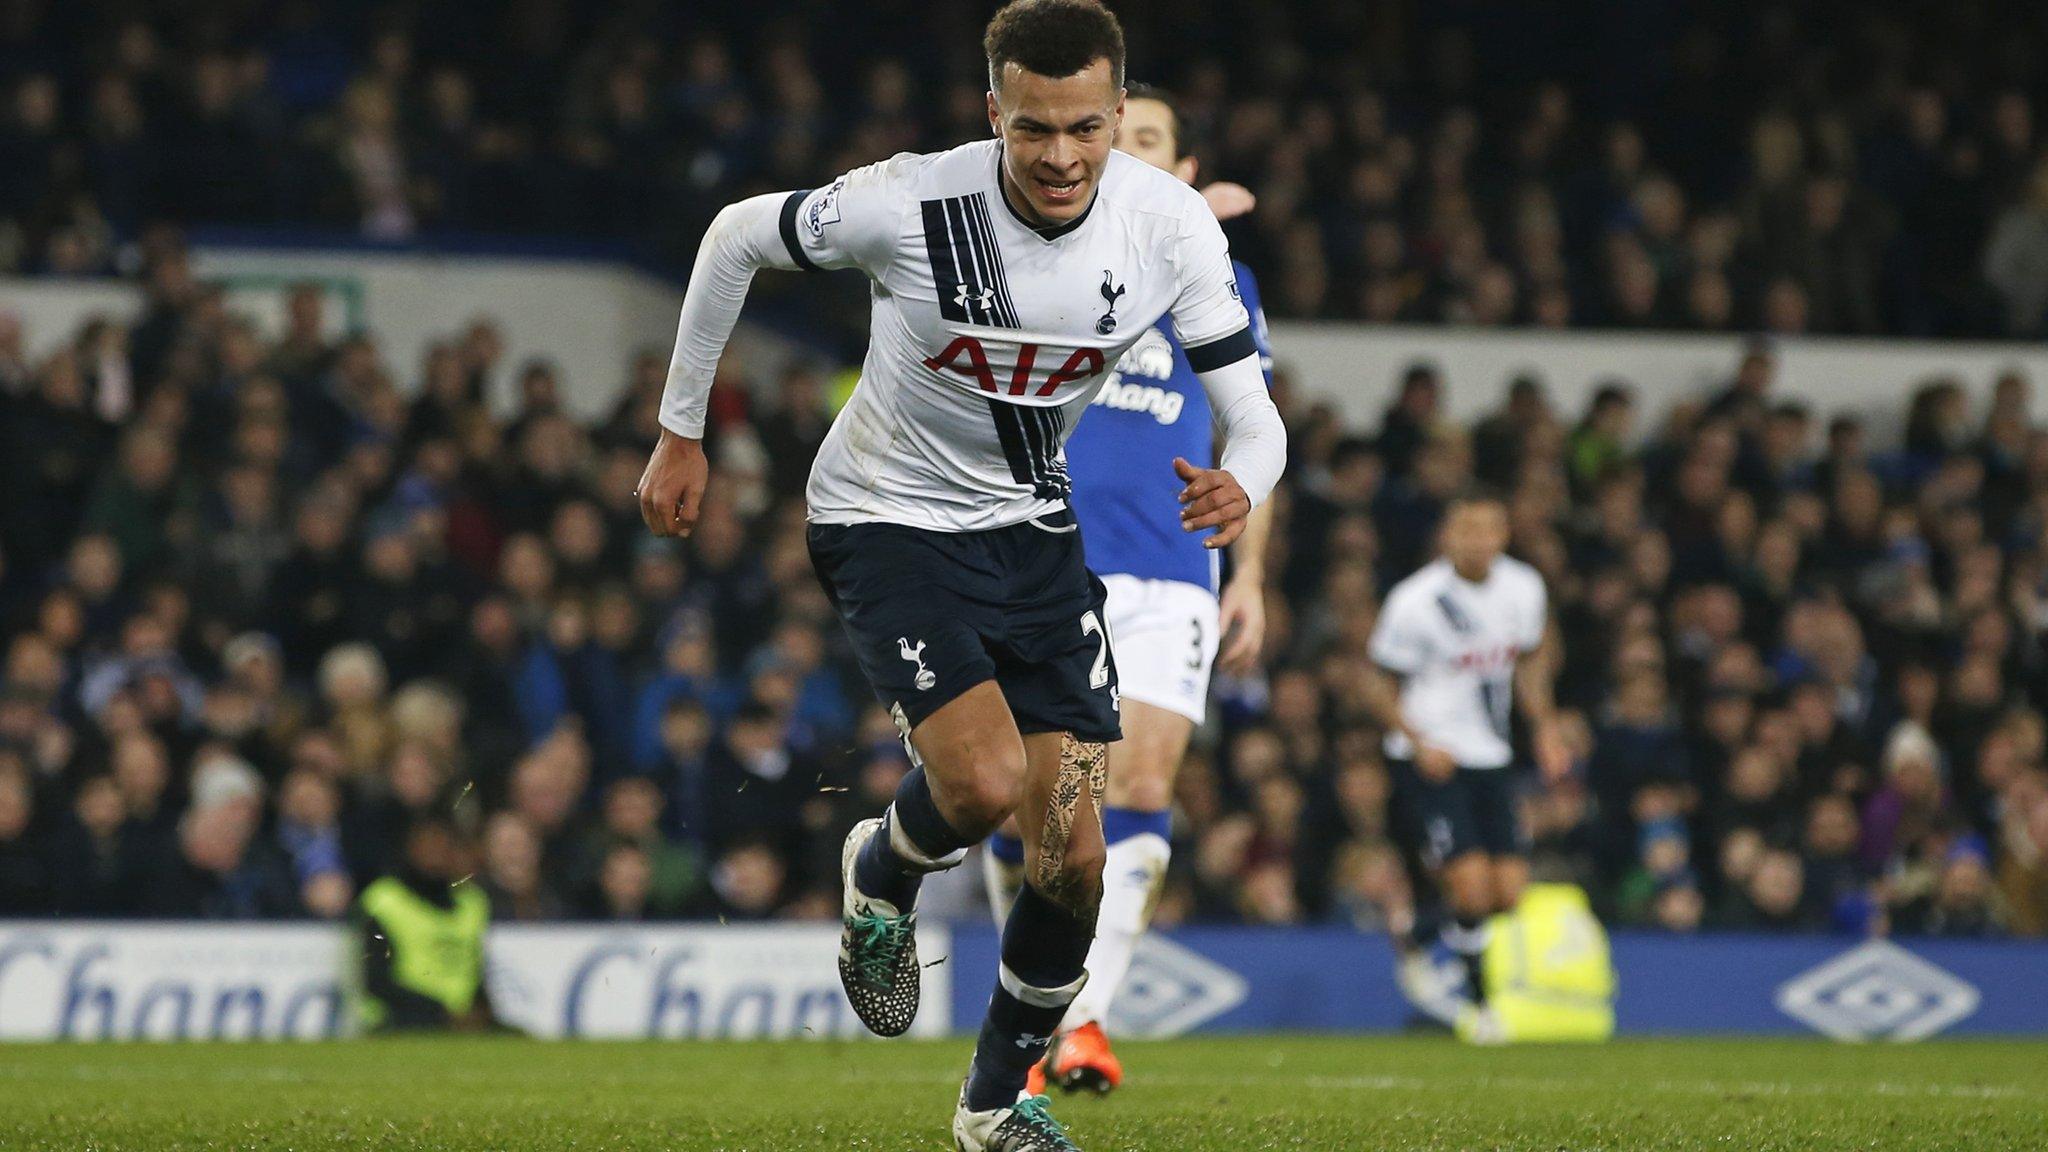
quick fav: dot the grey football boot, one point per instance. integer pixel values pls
(877, 949)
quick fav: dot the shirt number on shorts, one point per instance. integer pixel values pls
(1195, 656)
(1091, 625)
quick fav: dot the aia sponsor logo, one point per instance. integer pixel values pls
(968, 357)
(1486, 659)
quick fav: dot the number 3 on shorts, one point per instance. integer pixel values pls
(1091, 625)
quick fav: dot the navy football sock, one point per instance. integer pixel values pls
(914, 839)
(1468, 937)
(1044, 949)
(1427, 928)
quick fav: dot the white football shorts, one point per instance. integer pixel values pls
(1165, 634)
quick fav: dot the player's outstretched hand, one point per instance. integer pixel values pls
(672, 488)
(1227, 201)
(1212, 499)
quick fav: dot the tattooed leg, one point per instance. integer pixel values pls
(1052, 922)
(1082, 777)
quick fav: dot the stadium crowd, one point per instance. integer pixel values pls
(260, 606)
(1822, 167)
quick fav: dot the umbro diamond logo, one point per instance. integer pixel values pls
(1877, 991)
(1172, 989)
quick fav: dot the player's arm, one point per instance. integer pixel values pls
(1243, 604)
(1383, 699)
(1254, 452)
(1535, 676)
(1398, 650)
(850, 223)
(1216, 332)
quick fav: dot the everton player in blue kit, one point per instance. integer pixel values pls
(1165, 618)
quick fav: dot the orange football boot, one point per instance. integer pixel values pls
(1081, 1060)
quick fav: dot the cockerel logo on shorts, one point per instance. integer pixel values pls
(925, 676)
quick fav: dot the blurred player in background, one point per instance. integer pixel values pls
(1010, 275)
(1457, 644)
(1164, 614)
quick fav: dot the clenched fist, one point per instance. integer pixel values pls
(672, 488)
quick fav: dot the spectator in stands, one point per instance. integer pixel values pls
(1774, 897)
(1411, 420)
(94, 855)
(633, 819)
(2016, 261)
(748, 881)
(1599, 444)
(309, 832)
(24, 881)
(221, 870)
(512, 872)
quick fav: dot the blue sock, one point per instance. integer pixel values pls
(1120, 824)
(1007, 848)
(1044, 949)
(885, 872)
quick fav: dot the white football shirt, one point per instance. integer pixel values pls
(1455, 644)
(990, 338)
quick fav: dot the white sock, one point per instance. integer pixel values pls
(1002, 880)
(1131, 876)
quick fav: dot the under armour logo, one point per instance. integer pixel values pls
(925, 676)
(1110, 291)
(982, 299)
(1028, 1041)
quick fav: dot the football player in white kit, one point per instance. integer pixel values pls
(1457, 644)
(1168, 611)
(1008, 276)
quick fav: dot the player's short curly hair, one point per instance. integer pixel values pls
(1053, 38)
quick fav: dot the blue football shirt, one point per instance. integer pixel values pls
(1120, 456)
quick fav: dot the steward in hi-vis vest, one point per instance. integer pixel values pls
(1550, 972)
(421, 935)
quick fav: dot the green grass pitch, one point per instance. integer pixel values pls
(1235, 1093)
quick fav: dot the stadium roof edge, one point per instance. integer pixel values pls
(482, 244)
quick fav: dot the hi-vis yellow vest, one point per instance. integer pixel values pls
(1549, 975)
(436, 952)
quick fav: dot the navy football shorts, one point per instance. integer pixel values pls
(1473, 811)
(932, 614)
